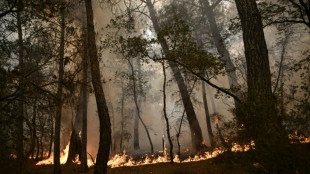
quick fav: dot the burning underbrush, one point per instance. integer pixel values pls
(122, 159)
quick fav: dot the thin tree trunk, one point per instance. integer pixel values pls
(41, 145)
(51, 136)
(38, 148)
(179, 133)
(136, 123)
(136, 144)
(219, 44)
(196, 133)
(165, 113)
(122, 114)
(103, 113)
(137, 106)
(57, 169)
(85, 93)
(34, 130)
(20, 120)
(205, 103)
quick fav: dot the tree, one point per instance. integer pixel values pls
(85, 94)
(103, 113)
(261, 120)
(57, 169)
(165, 113)
(190, 112)
(135, 96)
(286, 12)
(218, 40)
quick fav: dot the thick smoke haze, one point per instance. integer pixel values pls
(151, 110)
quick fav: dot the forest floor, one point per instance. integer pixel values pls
(229, 163)
(226, 163)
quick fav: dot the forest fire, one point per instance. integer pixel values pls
(122, 159)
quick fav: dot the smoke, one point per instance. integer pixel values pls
(151, 108)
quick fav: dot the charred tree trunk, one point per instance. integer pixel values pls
(75, 145)
(205, 103)
(135, 96)
(263, 121)
(196, 134)
(103, 113)
(219, 44)
(165, 113)
(20, 118)
(75, 140)
(59, 95)
(85, 94)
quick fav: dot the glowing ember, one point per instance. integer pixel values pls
(299, 138)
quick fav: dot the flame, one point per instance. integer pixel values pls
(63, 158)
(122, 159)
(300, 138)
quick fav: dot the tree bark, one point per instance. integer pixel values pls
(263, 121)
(122, 114)
(205, 103)
(165, 114)
(75, 140)
(34, 130)
(57, 169)
(20, 119)
(85, 94)
(196, 134)
(136, 123)
(51, 136)
(103, 113)
(219, 44)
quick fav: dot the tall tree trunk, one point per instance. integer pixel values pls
(85, 93)
(75, 140)
(263, 121)
(135, 96)
(20, 120)
(165, 113)
(34, 130)
(196, 134)
(41, 145)
(219, 44)
(57, 169)
(136, 123)
(51, 136)
(122, 114)
(205, 103)
(103, 113)
(136, 144)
